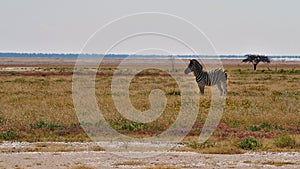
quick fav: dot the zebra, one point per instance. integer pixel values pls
(207, 78)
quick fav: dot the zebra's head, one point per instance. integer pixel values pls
(194, 65)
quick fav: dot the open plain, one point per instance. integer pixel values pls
(260, 126)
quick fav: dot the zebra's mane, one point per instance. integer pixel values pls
(197, 64)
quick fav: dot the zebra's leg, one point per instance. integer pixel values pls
(201, 87)
(219, 84)
(224, 86)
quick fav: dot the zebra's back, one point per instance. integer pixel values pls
(215, 76)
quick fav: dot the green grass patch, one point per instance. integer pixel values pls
(284, 141)
(249, 144)
(44, 124)
(2, 120)
(8, 135)
(173, 93)
(133, 126)
(265, 127)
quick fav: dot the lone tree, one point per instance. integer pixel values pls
(255, 59)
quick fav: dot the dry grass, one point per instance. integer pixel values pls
(130, 163)
(278, 163)
(162, 167)
(96, 148)
(273, 163)
(262, 104)
(82, 167)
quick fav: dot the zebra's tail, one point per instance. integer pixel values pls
(225, 75)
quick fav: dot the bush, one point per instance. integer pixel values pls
(266, 127)
(174, 93)
(254, 128)
(9, 135)
(1, 119)
(277, 127)
(285, 140)
(134, 126)
(43, 124)
(249, 144)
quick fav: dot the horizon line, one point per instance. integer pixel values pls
(67, 53)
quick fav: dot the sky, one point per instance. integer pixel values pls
(232, 27)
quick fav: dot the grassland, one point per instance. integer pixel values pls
(261, 113)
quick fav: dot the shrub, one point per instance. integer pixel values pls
(266, 126)
(254, 128)
(249, 144)
(174, 93)
(43, 124)
(277, 127)
(1, 119)
(134, 126)
(285, 140)
(9, 135)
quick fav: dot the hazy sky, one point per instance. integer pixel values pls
(269, 27)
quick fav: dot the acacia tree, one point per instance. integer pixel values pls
(255, 59)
